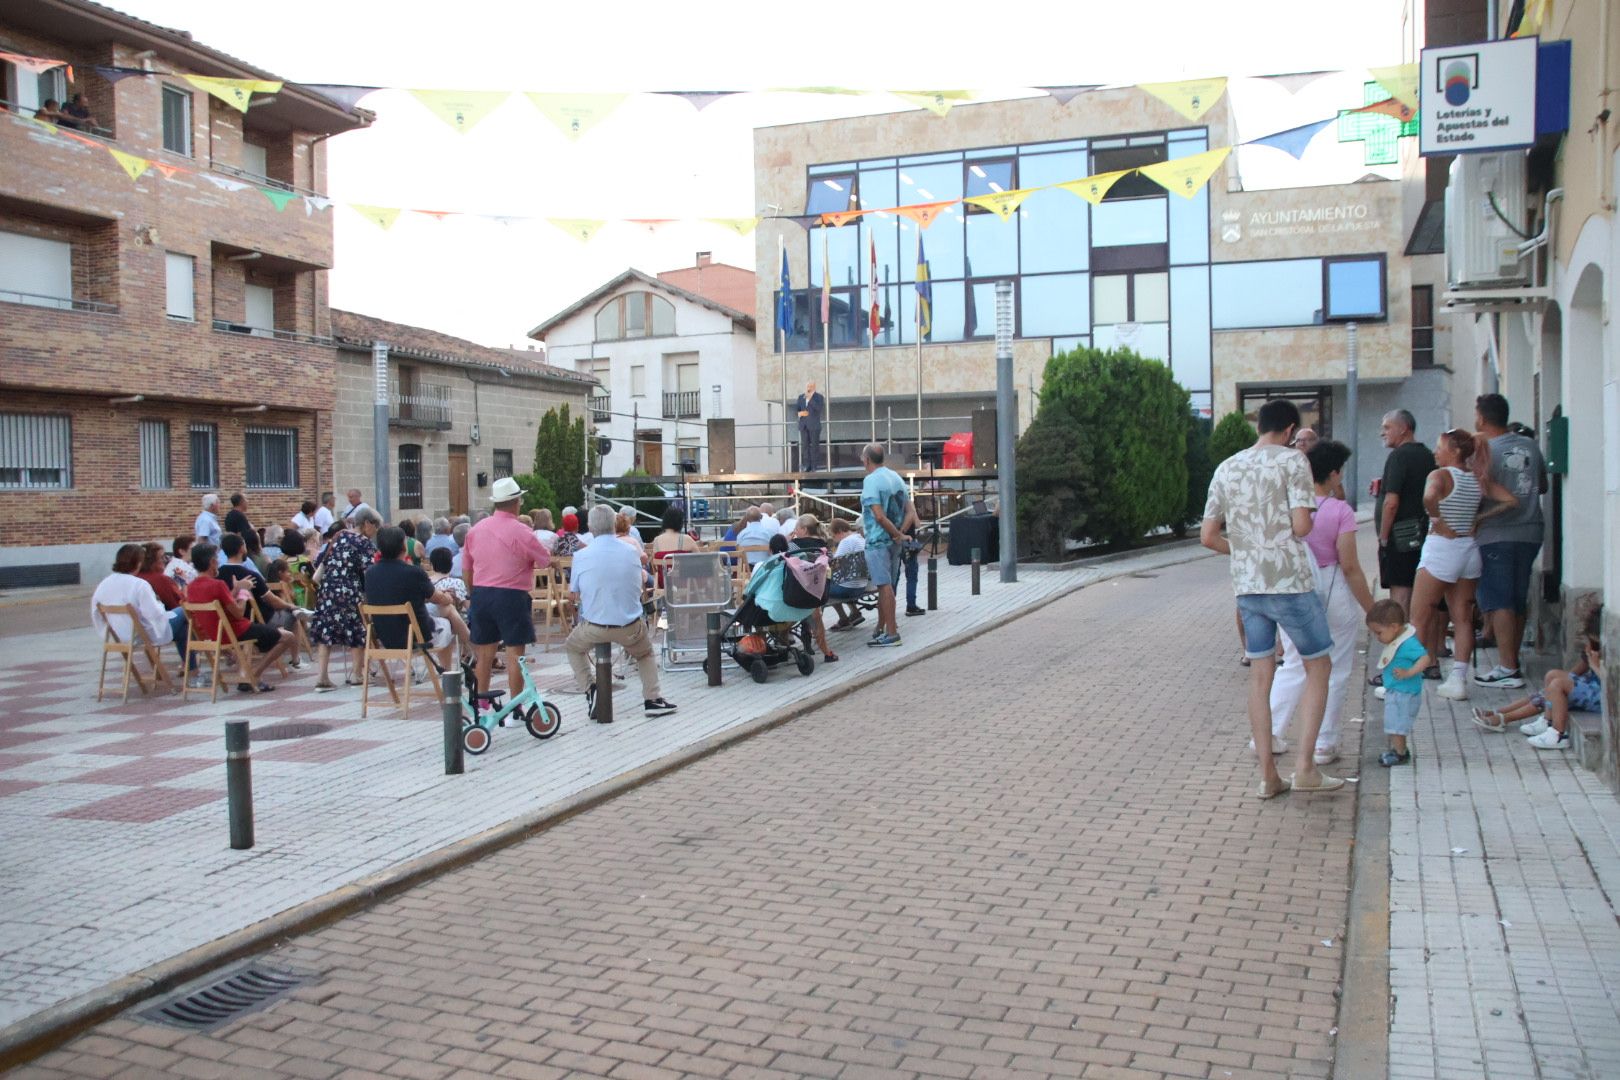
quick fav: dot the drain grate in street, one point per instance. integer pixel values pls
(247, 990)
(277, 732)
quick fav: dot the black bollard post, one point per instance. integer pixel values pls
(933, 583)
(975, 571)
(239, 784)
(453, 761)
(712, 664)
(604, 683)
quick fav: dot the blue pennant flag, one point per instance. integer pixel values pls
(784, 300)
(1293, 141)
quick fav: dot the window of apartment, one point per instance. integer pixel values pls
(1423, 326)
(37, 271)
(259, 309)
(638, 380)
(1279, 292)
(28, 90)
(154, 437)
(635, 315)
(1130, 298)
(1354, 287)
(181, 275)
(35, 451)
(254, 160)
(501, 463)
(204, 455)
(1114, 155)
(832, 194)
(176, 121)
(410, 476)
(271, 457)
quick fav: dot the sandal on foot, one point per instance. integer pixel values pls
(262, 688)
(1489, 720)
(829, 658)
(1324, 783)
(1271, 791)
(1389, 758)
(325, 686)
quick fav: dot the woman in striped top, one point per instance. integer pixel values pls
(1450, 564)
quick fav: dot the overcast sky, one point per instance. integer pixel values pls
(658, 157)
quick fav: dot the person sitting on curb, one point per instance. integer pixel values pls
(1547, 713)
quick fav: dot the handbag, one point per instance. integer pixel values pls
(1407, 535)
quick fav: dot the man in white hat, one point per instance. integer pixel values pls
(498, 562)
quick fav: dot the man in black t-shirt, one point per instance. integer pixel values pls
(393, 580)
(237, 572)
(236, 521)
(1400, 500)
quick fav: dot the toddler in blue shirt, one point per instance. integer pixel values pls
(1402, 660)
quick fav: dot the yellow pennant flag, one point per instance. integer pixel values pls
(381, 216)
(938, 102)
(461, 109)
(1191, 98)
(1002, 203)
(233, 92)
(742, 226)
(1185, 176)
(1401, 80)
(575, 114)
(135, 166)
(1093, 188)
(581, 229)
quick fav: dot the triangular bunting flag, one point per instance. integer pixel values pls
(1066, 94)
(816, 90)
(1401, 80)
(135, 166)
(575, 114)
(461, 109)
(437, 215)
(381, 216)
(1394, 107)
(167, 170)
(1002, 203)
(938, 102)
(113, 74)
(234, 92)
(581, 229)
(1185, 176)
(1191, 98)
(1537, 13)
(46, 124)
(804, 221)
(839, 218)
(342, 93)
(278, 198)
(313, 203)
(1093, 188)
(36, 65)
(742, 226)
(924, 213)
(1295, 81)
(1293, 141)
(650, 224)
(224, 183)
(698, 99)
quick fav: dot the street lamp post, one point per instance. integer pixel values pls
(1006, 432)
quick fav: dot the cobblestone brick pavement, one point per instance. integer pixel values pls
(1036, 854)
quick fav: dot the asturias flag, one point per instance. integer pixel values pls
(925, 294)
(784, 300)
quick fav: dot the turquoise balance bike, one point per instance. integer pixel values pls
(482, 713)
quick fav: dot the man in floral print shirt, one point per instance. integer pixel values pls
(1264, 500)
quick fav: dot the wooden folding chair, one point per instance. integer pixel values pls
(223, 644)
(414, 648)
(126, 650)
(301, 643)
(742, 569)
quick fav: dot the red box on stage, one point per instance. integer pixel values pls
(958, 453)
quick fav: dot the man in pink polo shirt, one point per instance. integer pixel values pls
(498, 563)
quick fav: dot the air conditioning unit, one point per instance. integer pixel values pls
(1485, 203)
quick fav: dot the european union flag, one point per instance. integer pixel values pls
(925, 294)
(784, 300)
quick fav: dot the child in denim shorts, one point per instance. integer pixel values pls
(1402, 660)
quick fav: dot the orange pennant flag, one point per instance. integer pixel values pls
(1389, 107)
(840, 218)
(924, 213)
(167, 170)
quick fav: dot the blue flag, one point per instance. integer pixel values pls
(1293, 141)
(925, 294)
(784, 300)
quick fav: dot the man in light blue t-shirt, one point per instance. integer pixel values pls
(886, 513)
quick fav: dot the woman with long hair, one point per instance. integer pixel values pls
(1449, 567)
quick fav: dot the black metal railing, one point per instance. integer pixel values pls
(225, 326)
(682, 404)
(61, 303)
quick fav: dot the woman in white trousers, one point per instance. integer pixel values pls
(1344, 592)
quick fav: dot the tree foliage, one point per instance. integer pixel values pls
(1055, 488)
(560, 456)
(1232, 434)
(635, 491)
(537, 494)
(1200, 468)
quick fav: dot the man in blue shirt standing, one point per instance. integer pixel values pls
(886, 514)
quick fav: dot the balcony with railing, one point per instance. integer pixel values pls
(682, 405)
(225, 326)
(60, 303)
(425, 405)
(601, 407)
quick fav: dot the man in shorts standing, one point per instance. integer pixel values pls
(886, 514)
(1264, 499)
(1508, 542)
(498, 563)
(1402, 521)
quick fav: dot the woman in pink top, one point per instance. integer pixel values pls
(1343, 589)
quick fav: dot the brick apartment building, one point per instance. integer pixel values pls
(163, 338)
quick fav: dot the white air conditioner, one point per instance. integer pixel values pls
(1485, 203)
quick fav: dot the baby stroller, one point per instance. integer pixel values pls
(772, 625)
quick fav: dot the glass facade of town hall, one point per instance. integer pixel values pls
(1134, 271)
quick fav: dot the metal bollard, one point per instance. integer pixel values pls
(933, 583)
(239, 784)
(975, 571)
(453, 762)
(604, 683)
(713, 661)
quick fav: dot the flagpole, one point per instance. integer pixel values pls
(919, 347)
(826, 344)
(781, 249)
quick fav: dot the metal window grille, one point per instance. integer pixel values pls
(204, 456)
(271, 457)
(410, 477)
(502, 463)
(35, 451)
(154, 453)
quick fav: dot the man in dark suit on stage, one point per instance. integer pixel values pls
(811, 407)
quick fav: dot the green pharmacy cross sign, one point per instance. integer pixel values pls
(1376, 132)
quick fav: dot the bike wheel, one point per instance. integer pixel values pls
(759, 671)
(806, 663)
(475, 740)
(543, 722)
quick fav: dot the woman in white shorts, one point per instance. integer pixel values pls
(1450, 564)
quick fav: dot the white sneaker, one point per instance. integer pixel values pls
(1325, 755)
(199, 681)
(1454, 687)
(1278, 745)
(1378, 692)
(1500, 677)
(1534, 726)
(1551, 739)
